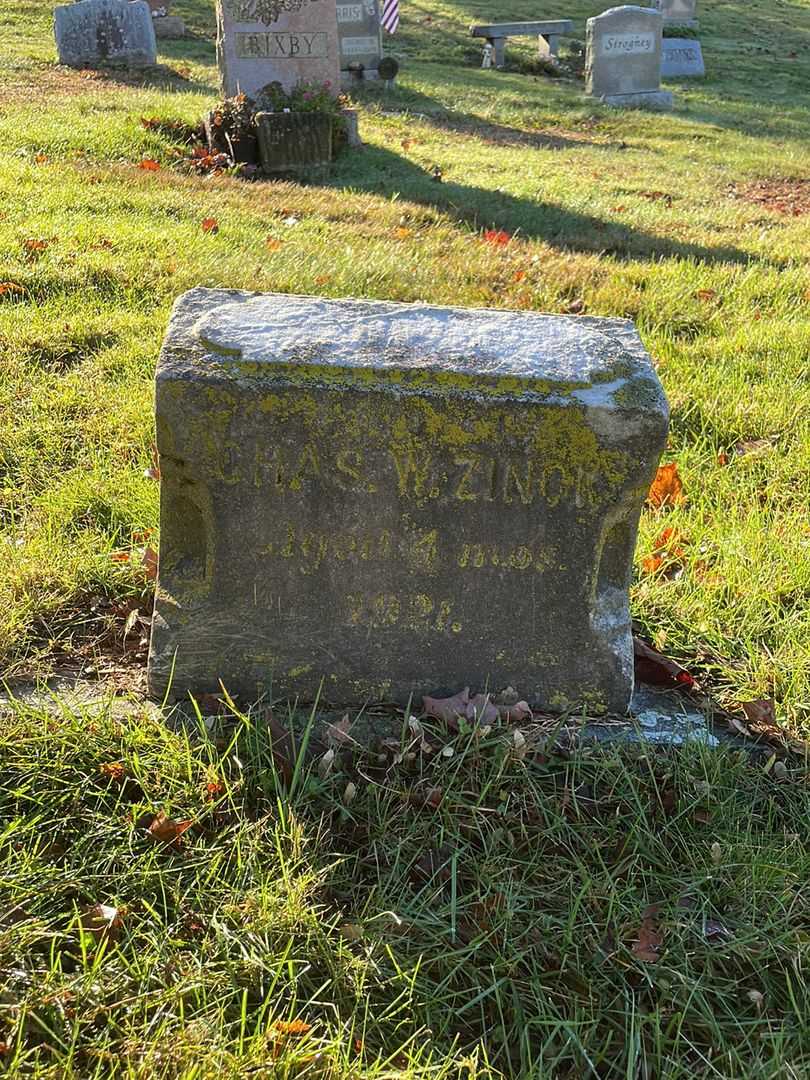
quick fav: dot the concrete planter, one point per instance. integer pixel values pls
(291, 142)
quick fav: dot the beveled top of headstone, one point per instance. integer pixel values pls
(406, 347)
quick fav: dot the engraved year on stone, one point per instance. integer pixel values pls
(380, 500)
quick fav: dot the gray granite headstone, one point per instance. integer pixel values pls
(105, 32)
(677, 12)
(360, 35)
(285, 41)
(623, 58)
(682, 58)
(396, 499)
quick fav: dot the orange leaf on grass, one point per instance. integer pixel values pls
(292, 1027)
(272, 243)
(210, 225)
(667, 487)
(150, 563)
(149, 164)
(114, 770)
(11, 288)
(401, 233)
(497, 237)
(706, 294)
(648, 943)
(166, 831)
(42, 159)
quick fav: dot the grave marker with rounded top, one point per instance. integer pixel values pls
(623, 58)
(391, 500)
(105, 32)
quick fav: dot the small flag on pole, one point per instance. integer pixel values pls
(390, 15)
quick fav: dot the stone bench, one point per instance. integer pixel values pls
(548, 33)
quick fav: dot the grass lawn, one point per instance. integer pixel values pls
(509, 929)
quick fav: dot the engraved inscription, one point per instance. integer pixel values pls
(358, 46)
(628, 44)
(281, 46)
(416, 611)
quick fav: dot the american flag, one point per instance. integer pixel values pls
(390, 15)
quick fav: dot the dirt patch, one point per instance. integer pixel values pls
(789, 197)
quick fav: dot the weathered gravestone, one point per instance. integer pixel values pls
(677, 12)
(285, 41)
(360, 36)
(105, 32)
(623, 58)
(681, 58)
(398, 498)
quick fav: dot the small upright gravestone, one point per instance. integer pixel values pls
(682, 58)
(677, 12)
(388, 500)
(105, 32)
(623, 58)
(264, 41)
(360, 37)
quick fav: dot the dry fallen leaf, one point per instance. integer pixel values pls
(757, 998)
(667, 553)
(325, 764)
(497, 237)
(11, 288)
(150, 563)
(149, 164)
(114, 770)
(760, 712)
(349, 793)
(272, 244)
(164, 830)
(667, 487)
(706, 294)
(448, 709)
(480, 710)
(210, 225)
(402, 233)
(656, 669)
(717, 853)
(648, 943)
(292, 1027)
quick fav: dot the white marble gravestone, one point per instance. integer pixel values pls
(623, 58)
(285, 41)
(105, 32)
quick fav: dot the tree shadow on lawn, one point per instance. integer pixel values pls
(381, 172)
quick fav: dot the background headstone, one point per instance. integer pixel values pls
(105, 32)
(681, 58)
(398, 499)
(169, 26)
(260, 41)
(623, 58)
(360, 35)
(677, 12)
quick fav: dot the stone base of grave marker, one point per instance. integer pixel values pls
(105, 32)
(290, 142)
(682, 58)
(655, 100)
(373, 500)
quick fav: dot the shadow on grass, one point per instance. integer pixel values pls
(382, 172)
